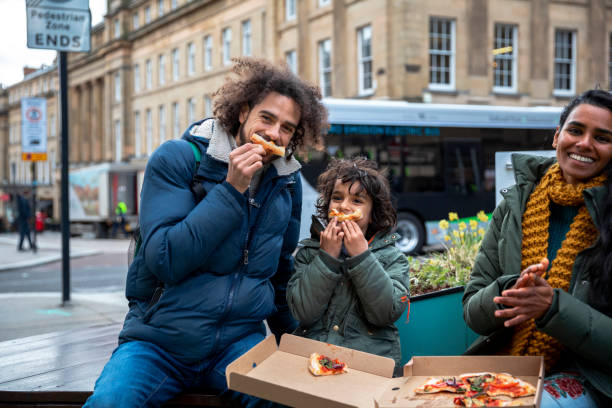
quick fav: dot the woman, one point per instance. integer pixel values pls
(559, 210)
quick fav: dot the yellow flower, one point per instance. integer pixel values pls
(452, 216)
(462, 234)
(443, 224)
(462, 226)
(482, 216)
(481, 231)
(473, 224)
(447, 238)
(432, 262)
(456, 233)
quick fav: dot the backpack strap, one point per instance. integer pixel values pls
(196, 186)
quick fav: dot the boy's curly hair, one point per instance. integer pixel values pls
(256, 78)
(373, 180)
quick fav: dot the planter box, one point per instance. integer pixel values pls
(436, 326)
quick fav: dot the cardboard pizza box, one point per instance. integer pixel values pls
(399, 392)
(281, 374)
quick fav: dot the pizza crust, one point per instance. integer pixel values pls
(340, 216)
(269, 146)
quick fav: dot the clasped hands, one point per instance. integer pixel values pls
(529, 298)
(348, 232)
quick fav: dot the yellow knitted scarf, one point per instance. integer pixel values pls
(527, 340)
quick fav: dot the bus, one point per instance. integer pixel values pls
(439, 157)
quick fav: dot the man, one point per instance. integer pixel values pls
(120, 211)
(220, 264)
(24, 213)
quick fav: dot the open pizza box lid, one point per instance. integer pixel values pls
(399, 392)
(281, 374)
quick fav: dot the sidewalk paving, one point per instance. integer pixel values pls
(28, 314)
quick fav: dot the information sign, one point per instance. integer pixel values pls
(34, 129)
(62, 25)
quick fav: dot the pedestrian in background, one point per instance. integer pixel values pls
(120, 211)
(559, 210)
(24, 214)
(210, 271)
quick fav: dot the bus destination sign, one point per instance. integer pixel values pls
(62, 25)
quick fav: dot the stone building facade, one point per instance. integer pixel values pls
(154, 65)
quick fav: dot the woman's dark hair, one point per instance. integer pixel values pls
(256, 78)
(600, 264)
(375, 183)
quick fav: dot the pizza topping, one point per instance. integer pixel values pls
(322, 365)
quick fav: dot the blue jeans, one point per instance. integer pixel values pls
(567, 389)
(141, 374)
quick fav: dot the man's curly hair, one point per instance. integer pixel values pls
(256, 78)
(373, 180)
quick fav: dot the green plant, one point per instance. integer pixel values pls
(452, 266)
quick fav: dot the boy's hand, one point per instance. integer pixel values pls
(354, 241)
(331, 238)
(244, 161)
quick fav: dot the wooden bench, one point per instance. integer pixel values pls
(59, 369)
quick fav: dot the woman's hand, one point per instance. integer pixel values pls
(526, 278)
(354, 241)
(528, 302)
(331, 238)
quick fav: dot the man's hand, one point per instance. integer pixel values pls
(244, 162)
(354, 241)
(528, 302)
(331, 238)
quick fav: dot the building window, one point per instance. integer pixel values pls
(161, 69)
(118, 141)
(191, 59)
(160, 8)
(175, 64)
(175, 120)
(364, 60)
(136, 78)
(173, 4)
(208, 53)
(207, 106)
(162, 124)
(148, 74)
(323, 3)
(504, 60)
(147, 14)
(117, 29)
(135, 21)
(226, 37)
(325, 68)
(137, 141)
(191, 107)
(291, 60)
(290, 9)
(246, 38)
(53, 126)
(149, 132)
(610, 64)
(117, 87)
(441, 53)
(565, 62)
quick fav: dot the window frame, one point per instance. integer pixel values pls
(291, 60)
(148, 17)
(148, 74)
(513, 57)
(161, 69)
(246, 38)
(361, 61)
(176, 125)
(323, 70)
(160, 8)
(191, 59)
(450, 86)
(290, 10)
(137, 136)
(176, 65)
(136, 77)
(226, 46)
(117, 86)
(149, 132)
(135, 21)
(161, 119)
(560, 60)
(208, 52)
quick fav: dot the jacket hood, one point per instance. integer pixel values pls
(210, 136)
(529, 168)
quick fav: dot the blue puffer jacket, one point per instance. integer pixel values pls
(224, 262)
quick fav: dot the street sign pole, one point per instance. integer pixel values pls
(34, 182)
(65, 205)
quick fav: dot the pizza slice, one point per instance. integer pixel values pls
(440, 384)
(322, 365)
(483, 400)
(476, 382)
(268, 145)
(340, 216)
(496, 384)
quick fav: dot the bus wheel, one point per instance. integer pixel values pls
(412, 233)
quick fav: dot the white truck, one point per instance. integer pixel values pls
(94, 192)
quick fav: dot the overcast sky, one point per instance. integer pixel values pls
(14, 52)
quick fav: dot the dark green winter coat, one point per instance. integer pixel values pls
(585, 332)
(352, 302)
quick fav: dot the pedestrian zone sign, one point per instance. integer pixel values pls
(34, 129)
(62, 25)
